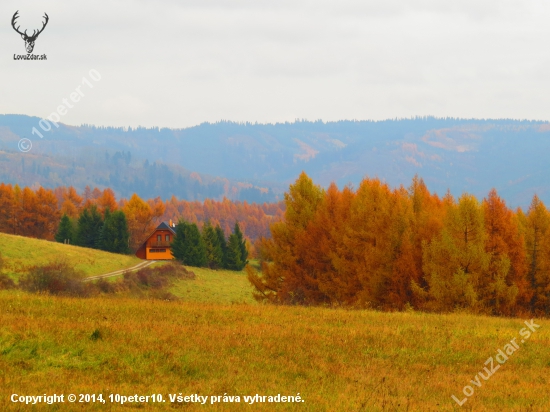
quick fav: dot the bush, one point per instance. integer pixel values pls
(155, 278)
(159, 276)
(56, 278)
(6, 282)
(104, 286)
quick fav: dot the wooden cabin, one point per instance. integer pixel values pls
(157, 246)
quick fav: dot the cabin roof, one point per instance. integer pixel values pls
(165, 226)
(162, 226)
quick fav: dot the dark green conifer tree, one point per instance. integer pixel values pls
(223, 245)
(89, 228)
(233, 258)
(236, 250)
(177, 249)
(65, 231)
(214, 254)
(188, 246)
(114, 235)
(242, 244)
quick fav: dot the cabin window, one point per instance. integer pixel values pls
(159, 238)
(157, 250)
(167, 238)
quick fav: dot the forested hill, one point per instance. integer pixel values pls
(457, 154)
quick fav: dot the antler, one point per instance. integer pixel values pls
(34, 33)
(43, 25)
(15, 17)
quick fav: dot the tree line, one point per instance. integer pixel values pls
(191, 246)
(406, 247)
(210, 247)
(107, 231)
(37, 212)
(96, 220)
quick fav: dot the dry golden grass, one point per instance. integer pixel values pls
(338, 360)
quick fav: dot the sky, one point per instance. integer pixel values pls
(181, 63)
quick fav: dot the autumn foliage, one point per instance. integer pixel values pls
(37, 212)
(396, 248)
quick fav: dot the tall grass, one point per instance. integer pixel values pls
(338, 360)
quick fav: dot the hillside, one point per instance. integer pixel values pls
(257, 161)
(214, 286)
(357, 360)
(20, 253)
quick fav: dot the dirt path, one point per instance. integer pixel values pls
(141, 265)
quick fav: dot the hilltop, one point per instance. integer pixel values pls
(256, 162)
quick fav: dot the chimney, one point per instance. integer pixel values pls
(171, 223)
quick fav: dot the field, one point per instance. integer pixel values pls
(20, 253)
(215, 286)
(218, 341)
(335, 359)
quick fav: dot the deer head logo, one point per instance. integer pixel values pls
(29, 40)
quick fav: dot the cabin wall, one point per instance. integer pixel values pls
(142, 252)
(155, 249)
(159, 254)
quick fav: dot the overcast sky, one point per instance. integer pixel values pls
(181, 63)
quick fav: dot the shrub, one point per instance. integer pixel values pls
(104, 286)
(96, 335)
(153, 278)
(56, 278)
(6, 282)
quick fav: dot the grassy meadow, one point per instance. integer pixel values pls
(336, 359)
(21, 253)
(217, 340)
(214, 286)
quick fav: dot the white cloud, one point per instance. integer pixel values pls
(179, 63)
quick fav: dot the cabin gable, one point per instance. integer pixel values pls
(158, 244)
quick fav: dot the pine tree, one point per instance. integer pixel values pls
(195, 249)
(65, 232)
(188, 246)
(223, 245)
(177, 249)
(236, 250)
(89, 228)
(214, 254)
(104, 234)
(242, 244)
(114, 233)
(234, 253)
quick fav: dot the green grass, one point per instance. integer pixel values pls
(214, 286)
(21, 253)
(211, 286)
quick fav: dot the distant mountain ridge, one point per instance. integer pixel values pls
(470, 155)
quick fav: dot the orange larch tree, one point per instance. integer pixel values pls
(7, 206)
(141, 219)
(47, 214)
(505, 245)
(537, 244)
